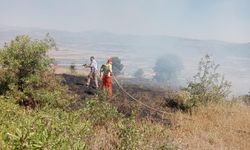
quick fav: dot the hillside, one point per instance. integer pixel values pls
(95, 123)
(41, 108)
(216, 126)
(105, 41)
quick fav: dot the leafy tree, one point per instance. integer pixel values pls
(139, 73)
(166, 69)
(117, 65)
(24, 64)
(208, 85)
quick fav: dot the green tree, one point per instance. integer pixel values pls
(23, 63)
(208, 85)
(117, 65)
(167, 68)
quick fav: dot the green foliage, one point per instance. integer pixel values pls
(48, 128)
(139, 73)
(208, 85)
(117, 65)
(23, 62)
(128, 134)
(100, 112)
(26, 74)
(43, 129)
(167, 68)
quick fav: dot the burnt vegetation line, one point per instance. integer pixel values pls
(120, 101)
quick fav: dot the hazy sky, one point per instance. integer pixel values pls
(227, 20)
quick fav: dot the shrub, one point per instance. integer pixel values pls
(26, 74)
(23, 62)
(208, 85)
(180, 100)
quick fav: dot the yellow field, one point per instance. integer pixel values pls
(221, 126)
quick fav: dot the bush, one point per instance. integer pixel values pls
(23, 62)
(208, 85)
(26, 74)
(180, 100)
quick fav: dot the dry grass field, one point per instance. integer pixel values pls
(223, 126)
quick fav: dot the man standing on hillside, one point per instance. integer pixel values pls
(106, 69)
(93, 71)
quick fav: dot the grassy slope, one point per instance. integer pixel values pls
(98, 125)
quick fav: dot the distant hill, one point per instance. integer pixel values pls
(105, 41)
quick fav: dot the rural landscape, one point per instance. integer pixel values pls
(188, 90)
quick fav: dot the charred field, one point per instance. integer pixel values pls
(151, 96)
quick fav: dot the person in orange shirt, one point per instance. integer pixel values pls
(106, 75)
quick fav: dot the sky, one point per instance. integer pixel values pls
(226, 20)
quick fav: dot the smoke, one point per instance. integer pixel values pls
(167, 68)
